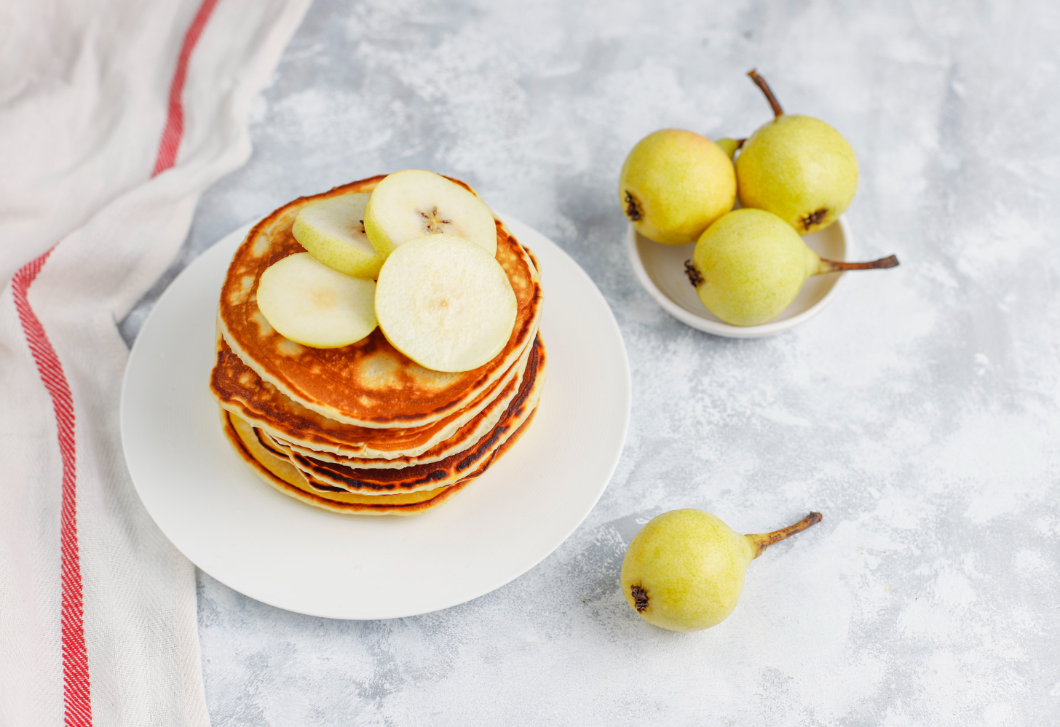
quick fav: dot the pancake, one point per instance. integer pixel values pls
(241, 391)
(464, 438)
(368, 383)
(241, 436)
(435, 474)
(271, 469)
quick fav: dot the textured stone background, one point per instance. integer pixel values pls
(918, 413)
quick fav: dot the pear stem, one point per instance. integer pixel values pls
(764, 540)
(890, 261)
(761, 83)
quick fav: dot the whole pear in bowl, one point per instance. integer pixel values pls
(684, 571)
(797, 167)
(749, 265)
(674, 183)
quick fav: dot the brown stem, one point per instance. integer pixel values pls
(764, 540)
(740, 143)
(761, 83)
(890, 261)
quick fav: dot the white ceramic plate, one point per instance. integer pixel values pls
(280, 551)
(661, 270)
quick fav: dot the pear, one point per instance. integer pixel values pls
(797, 167)
(749, 265)
(312, 304)
(445, 302)
(414, 202)
(332, 231)
(674, 183)
(684, 571)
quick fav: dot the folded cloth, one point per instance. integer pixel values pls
(115, 115)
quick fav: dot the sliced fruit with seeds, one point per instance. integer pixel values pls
(309, 303)
(414, 203)
(332, 230)
(445, 303)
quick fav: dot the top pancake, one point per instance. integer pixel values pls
(368, 383)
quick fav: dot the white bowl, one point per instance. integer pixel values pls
(661, 270)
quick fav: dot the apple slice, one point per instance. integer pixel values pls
(309, 303)
(445, 303)
(413, 203)
(332, 230)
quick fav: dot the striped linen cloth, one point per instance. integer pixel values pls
(115, 115)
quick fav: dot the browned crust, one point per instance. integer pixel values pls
(445, 471)
(346, 508)
(238, 388)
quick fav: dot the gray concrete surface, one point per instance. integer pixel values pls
(918, 413)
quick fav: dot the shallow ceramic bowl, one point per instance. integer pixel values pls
(661, 270)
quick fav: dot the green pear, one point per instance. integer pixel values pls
(748, 266)
(798, 168)
(674, 184)
(332, 231)
(312, 304)
(684, 571)
(413, 202)
(445, 302)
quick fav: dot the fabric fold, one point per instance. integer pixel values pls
(108, 141)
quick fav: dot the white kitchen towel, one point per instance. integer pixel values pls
(115, 115)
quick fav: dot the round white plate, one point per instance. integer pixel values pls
(661, 270)
(287, 554)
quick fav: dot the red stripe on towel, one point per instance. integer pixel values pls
(76, 692)
(174, 131)
(77, 695)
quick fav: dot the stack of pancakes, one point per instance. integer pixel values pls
(363, 429)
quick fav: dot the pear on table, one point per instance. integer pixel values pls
(332, 231)
(749, 266)
(674, 183)
(684, 571)
(797, 167)
(309, 303)
(413, 203)
(445, 302)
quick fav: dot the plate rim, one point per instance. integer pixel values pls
(138, 352)
(719, 328)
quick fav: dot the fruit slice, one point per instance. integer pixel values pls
(445, 303)
(413, 203)
(332, 230)
(309, 303)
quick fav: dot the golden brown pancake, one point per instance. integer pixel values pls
(271, 469)
(463, 439)
(240, 436)
(434, 474)
(240, 390)
(368, 383)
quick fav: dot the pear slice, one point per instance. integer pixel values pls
(445, 303)
(413, 203)
(332, 230)
(309, 303)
